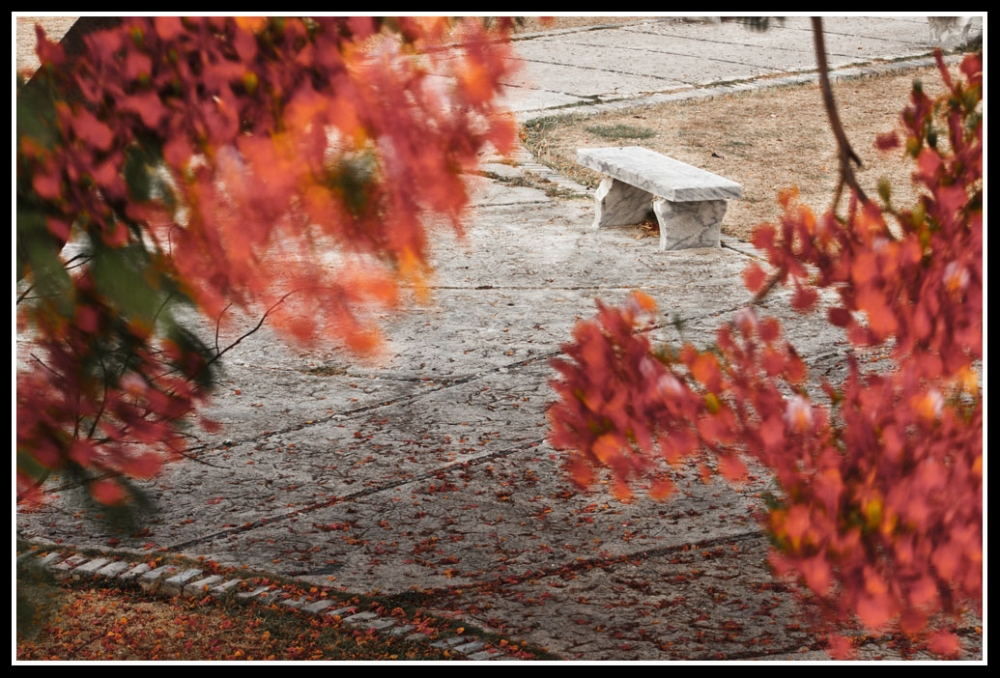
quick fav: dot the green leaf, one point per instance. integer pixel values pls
(36, 116)
(47, 271)
(884, 190)
(118, 276)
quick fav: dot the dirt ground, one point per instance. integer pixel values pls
(766, 141)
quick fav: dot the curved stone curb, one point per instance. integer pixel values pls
(173, 581)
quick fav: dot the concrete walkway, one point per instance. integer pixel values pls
(428, 475)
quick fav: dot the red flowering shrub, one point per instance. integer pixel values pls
(216, 161)
(880, 513)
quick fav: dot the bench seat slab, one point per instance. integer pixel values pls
(658, 174)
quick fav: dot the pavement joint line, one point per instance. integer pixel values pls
(586, 29)
(351, 413)
(598, 561)
(709, 91)
(431, 473)
(366, 492)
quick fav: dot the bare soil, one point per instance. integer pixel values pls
(766, 140)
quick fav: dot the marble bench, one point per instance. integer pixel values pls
(689, 203)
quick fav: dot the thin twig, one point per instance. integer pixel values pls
(104, 400)
(254, 330)
(187, 455)
(162, 306)
(68, 268)
(24, 294)
(218, 324)
(39, 360)
(845, 153)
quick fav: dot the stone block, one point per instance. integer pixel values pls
(359, 618)
(114, 569)
(257, 592)
(197, 587)
(151, 579)
(317, 607)
(447, 643)
(50, 558)
(89, 568)
(224, 588)
(619, 204)
(135, 572)
(175, 584)
(470, 647)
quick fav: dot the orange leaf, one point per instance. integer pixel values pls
(645, 302)
(144, 466)
(838, 317)
(580, 473)
(816, 572)
(108, 492)
(621, 490)
(873, 611)
(763, 236)
(753, 277)
(254, 24)
(706, 370)
(841, 647)
(82, 452)
(606, 449)
(732, 468)
(661, 488)
(804, 299)
(92, 131)
(945, 643)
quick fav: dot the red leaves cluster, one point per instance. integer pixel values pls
(880, 513)
(287, 166)
(283, 138)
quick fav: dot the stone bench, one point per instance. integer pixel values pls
(689, 203)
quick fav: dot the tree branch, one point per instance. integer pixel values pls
(845, 153)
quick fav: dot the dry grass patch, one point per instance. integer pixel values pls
(765, 140)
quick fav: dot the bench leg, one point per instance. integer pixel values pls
(689, 224)
(619, 204)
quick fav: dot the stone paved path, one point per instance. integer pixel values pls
(427, 475)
